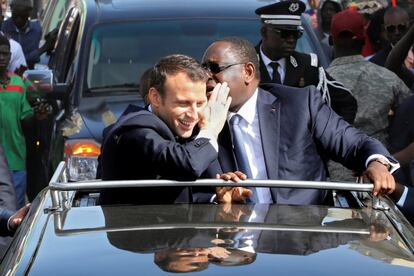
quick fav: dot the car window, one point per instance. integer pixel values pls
(119, 53)
(64, 53)
(55, 14)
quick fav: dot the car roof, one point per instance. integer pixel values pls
(314, 240)
(67, 229)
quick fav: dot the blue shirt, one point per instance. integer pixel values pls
(29, 38)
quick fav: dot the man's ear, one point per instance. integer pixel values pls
(154, 97)
(249, 72)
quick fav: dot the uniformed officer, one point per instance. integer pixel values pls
(280, 63)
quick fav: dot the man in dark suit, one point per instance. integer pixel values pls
(280, 132)
(280, 63)
(174, 138)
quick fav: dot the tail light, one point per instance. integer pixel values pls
(81, 157)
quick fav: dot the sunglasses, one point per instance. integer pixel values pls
(392, 28)
(215, 68)
(283, 33)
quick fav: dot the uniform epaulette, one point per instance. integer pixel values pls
(314, 60)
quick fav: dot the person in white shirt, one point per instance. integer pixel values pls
(17, 60)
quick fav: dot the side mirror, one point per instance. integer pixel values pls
(42, 80)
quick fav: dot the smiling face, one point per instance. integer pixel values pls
(180, 103)
(182, 260)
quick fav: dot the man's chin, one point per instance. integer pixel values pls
(185, 134)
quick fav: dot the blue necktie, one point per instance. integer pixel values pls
(239, 151)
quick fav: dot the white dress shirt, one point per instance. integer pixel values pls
(403, 197)
(252, 143)
(281, 69)
(17, 58)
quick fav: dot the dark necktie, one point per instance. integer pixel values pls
(239, 151)
(275, 75)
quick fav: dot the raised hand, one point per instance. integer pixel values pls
(215, 113)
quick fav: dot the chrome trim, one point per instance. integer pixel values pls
(63, 185)
(403, 226)
(209, 225)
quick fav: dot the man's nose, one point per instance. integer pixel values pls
(192, 111)
(291, 39)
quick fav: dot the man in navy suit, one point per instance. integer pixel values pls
(174, 138)
(286, 130)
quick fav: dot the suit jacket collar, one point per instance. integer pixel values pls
(291, 75)
(264, 74)
(248, 110)
(268, 108)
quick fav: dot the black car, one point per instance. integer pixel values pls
(67, 232)
(104, 46)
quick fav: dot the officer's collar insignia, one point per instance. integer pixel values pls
(294, 7)
(293, 61)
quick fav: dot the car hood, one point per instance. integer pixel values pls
(221, 239)
(96, 113)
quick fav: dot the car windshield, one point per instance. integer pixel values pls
(121, 52)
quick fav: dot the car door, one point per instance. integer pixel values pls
(49, 130)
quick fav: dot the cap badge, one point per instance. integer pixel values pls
(294, 7)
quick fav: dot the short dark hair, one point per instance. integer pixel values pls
(243, 51)
(163, 259)
(145, 85)
(172, 65)
(4, 40)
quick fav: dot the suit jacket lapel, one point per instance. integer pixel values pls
(269, 121)
(264, 74)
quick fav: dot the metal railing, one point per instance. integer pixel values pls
(59, 188)
(59, 183)
(215, 225)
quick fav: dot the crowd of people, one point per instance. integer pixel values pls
(244, 112)
(20, 108)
